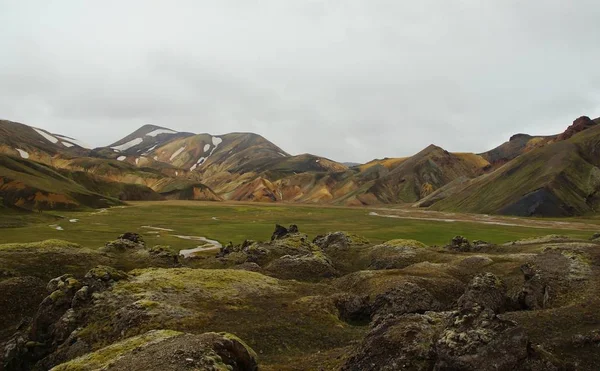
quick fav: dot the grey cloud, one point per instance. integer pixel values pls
(351, 80)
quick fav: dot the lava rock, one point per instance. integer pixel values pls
(403, 299)
(281, 231)
(486, 291)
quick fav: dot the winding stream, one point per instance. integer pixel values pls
(210, 245)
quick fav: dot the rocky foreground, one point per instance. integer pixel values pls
(336, 302)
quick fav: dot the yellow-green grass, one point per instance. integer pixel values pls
(238, 221)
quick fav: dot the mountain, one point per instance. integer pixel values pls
(141, 141)
(519, 144)
(417, 176)
(37, 144)
(34, 186)
(559, 179)
(528, 175)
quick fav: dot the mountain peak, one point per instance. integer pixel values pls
(580, 124)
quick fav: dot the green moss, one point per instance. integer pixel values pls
(147, 304)
(210, 283)
(295, 241)
(103, 358)
(56, 295)
(52, 243)
(232, 337)
(106, 273)
(357, 240)
(405, 243)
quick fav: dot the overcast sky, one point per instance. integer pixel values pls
(351, 80)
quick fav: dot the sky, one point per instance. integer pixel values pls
(350, 80)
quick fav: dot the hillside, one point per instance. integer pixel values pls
(519, 144)
(29, 185)
(559, 179)
(423, 173)
(528, 175)
(35, 144)
(142, 141)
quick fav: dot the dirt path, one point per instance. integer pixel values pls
(481, 219)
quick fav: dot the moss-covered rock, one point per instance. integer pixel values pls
(46, 244)
(301, 267)
(106, 274)
(170, 350)
(398, 253)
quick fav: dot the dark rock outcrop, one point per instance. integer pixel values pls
(578, 125)
(535, 292)
(57, 317)
(281, 231)
(462, 244)
(486, 291)
(403, 299)
(353, 308)
(401, 343)
(477, 339)
(301, 267)
(474, 337)
(126, 241)
(336, 241)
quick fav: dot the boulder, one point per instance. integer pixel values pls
(171, 350)
(57, 317)
(398, 343)
(352, 308)
(133, 237)
(105, 274)
(126, 241)
(486, 291)
(395, 254)
(535, 292)
(580, 124)
(403, 299)
(301, 267)
(462, 244)
(338, 241)
(281, 231)
(476, 338)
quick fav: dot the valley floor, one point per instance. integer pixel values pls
(238, 221)
(302, 300)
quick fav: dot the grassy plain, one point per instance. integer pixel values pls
(236, 222)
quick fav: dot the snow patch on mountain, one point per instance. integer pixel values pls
(206, 147)
(177, 153)
(48, 137)
(75, 141)
(121, 158)
(23, 154)
(67, 144)
(150, 150)
(160, 131)
(126, 146)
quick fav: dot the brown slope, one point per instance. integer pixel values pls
(519, 144)
(205, 153)
(560, 179)
(141, 141)
(423, 173)
(33, 186)
(24, 141)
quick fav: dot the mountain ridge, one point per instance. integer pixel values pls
(242, 166)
